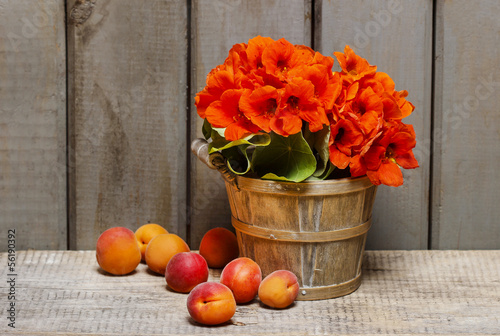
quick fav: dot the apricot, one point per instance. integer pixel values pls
(145, 233)
(186, 270)
(117, 251)
(161, 249)
(211, 303)
(219, 246)
(243, 277)
(279, 289)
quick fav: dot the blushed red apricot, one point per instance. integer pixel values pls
(186, 270)
(211, 303)
(243, 277)
(219, 246)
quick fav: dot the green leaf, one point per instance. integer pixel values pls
(237, 159)
(219, 143)
(319, 141)
(286, 157)
(271, 176)
(324, 176)
(206, 129)
(219, 132)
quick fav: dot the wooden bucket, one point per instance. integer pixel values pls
(317, 230)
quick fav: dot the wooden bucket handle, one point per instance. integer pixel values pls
(216, 161)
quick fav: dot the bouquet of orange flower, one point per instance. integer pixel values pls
(277, 111)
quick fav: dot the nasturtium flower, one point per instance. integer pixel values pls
(394, 150)
(260, 105)
(344, 135)
(225, 113)
(367, 108)
(218, 82)
(354, 66)
(352, 117)
(298, 103)
(254, 51)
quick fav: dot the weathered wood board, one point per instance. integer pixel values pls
(33, 123)
(397, 37)
(465, 211)
(129, 132)
(216, 27)
(127, 116)
(402, 293)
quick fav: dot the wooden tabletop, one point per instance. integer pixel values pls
(402, 292)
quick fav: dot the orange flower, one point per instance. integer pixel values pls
(260, 105)
(367, 108)
(353, 65)
(344, 135)
(357, 166)
(236, 59)
(298, 103)
(405, 106)
(218, 81)
(326, 86)
(384, 158)
(280, 56)
(391, 107)
(380, 82)
(225, 113)
(255, 48)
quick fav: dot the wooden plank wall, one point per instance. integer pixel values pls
(217, 26)
(466, 174)
(133, 68)
(127, 125)
(33, 123)
(397, 37)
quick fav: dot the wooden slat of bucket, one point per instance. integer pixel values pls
(279, 255)
(342, 211)
(337, 261)
(257, 209)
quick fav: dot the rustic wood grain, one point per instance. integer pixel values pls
(397, 37)
(33, 123)
(216, 26)
(127, 118)
(465, 211)
(402, 293)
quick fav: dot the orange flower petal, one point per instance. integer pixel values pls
(339, 159)
(202, 100)
(388, 173)
(353, 65)
(374, 156)
(357, 166)
(391, 107)
(386, 81)
(285, 123)
(407, 160)
(239, 129)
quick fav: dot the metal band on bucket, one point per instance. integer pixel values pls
(322, 292)
(323, 236)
